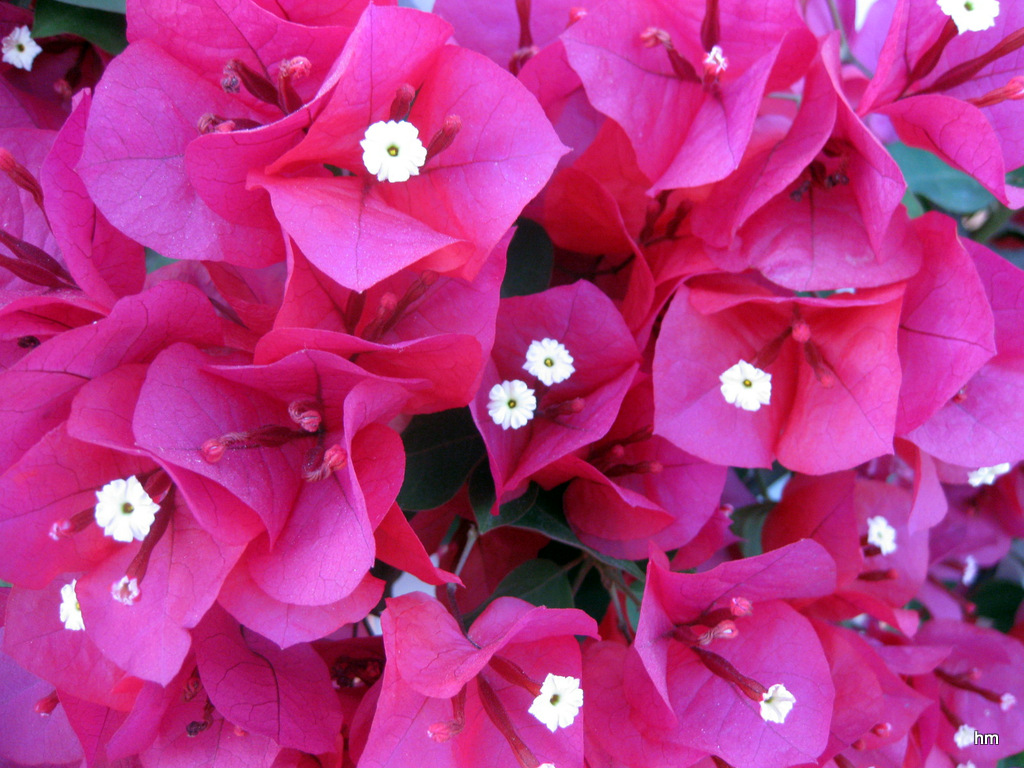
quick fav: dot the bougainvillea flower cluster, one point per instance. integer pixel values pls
(521, 383)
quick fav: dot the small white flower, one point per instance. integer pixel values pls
(125, 591)
(1007, 702)
(70, 610)
(393, 150)
(124, 510)
(714, 61)
(558, 702)
(964, 736)
(987, 475)
(968, 764)
(776, 704)
(512, 404)
(881, 534)
(549, 361)
(20, 49)
(970, 571)
(746, 387)
(971, 15)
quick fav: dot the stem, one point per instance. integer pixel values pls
(845, 54)
(993, 225)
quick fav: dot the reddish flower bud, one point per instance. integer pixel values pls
(47, 704)
(402, 102)
(445, 136)
(305, 414)
(740, 606)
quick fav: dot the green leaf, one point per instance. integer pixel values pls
(540, 582)
(440, 450)
(999, 601)
(912, 204)
(154, 260)
(747, 523)
(929, 177)
(530, 256)
(96, 24)
(111, 6)
(536, 510)
(481, 498)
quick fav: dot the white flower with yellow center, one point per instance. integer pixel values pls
(558, 702)
(70, 610)
(987, 475)
(393, 150)
(776, 704)
(549, 361)
(124, 510)
(746, 387)
(511, 404)
(20, 50)
(971, 15)
(881, 534)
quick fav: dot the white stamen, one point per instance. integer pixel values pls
(393, 150)
(746, 387)
(511, 404)
(881, 534)
(20, 50)
(776, 704)
(549, 361)
(70, 610)
(558, 702)
(971, 15)
(124, 510)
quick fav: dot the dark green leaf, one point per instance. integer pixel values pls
(481, 497)
(929, 177)
(536, 510)
(998, 600)
(154, 260)
(530, 256)
(912, 204)
(540, 582)
(111, 6)
(440, 450)
(100, 27)
(747, 523)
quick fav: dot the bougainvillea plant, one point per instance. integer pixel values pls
(519, 383)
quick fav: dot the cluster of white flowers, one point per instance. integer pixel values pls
(512, 403)
(746, 387)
